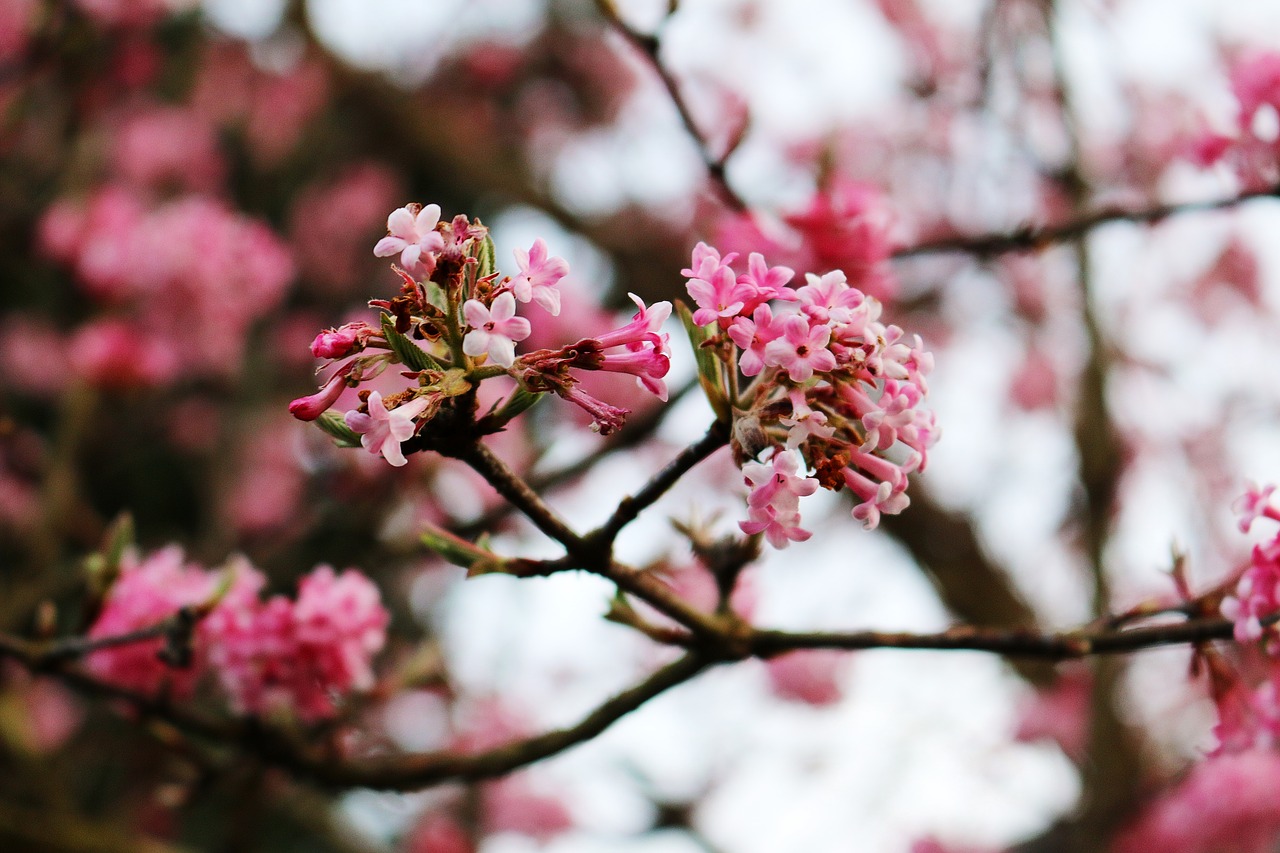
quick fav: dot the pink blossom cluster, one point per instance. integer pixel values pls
(1252, 147)
(1226, 803)
(1257, 593)
(279, 655)
(456, 323)
(832, 390)
(181, 283)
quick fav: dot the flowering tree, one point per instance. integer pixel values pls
(617, 357)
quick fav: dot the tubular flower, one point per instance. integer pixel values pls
(454, 325)
(538, 277)
(382, 430)
(833, 389)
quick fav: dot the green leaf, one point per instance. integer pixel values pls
(710, 375)
(487, 254)
(520, 401)
(460, 552)
(333, 423)
(410, 354)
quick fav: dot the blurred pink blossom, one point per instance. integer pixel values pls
(1225, 804)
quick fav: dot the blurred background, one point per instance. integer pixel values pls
(190, 191)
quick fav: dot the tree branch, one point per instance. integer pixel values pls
(1030, 238)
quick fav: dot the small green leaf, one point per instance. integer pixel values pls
(710, 375)
(410, 354)
(460, 552)
(333, 423)
(520, 401)
(487, 254)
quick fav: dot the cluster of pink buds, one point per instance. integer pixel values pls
(1257, 593)
(454, 325)
(830, 389)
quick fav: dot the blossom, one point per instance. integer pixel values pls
(382, 430)
(300, 655)
(801, 349)
(538, 276)
(752, 335)
(149, 591)
(311, 407)
(1224, 803)
(412, 233)
(494, 330)
(1255, 503)
(335, 343)
(773, 506)
(779, 529)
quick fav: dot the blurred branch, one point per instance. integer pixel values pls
(279, 747)
(1031, 238)
(650, 46)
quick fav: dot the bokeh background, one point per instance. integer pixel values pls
(190, 191)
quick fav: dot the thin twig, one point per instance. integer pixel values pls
(650, 45)
(630, 507)
(518, 493)
(1029, 238)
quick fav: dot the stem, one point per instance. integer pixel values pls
(1031, 238)
(517, 492)
(629, 508)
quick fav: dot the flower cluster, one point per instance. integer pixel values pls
(454, 325)
(1257, 593)
(298, 656)
(832, 389)
(1252, 147)
(184, 281)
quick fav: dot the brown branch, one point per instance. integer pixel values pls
(649, 46)
(630, 507)
(408, 772)
(518, 493)
(1056, 646)
(1030, 238)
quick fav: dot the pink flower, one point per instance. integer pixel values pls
(1256, 596)
(779, 529)
(335, 343)
(719, 296)
(150, 591)
(647, 365)
(312, 407)
(829, 298)
(752, 335)
(773, 506)
(382, 430)
(811, 676)
(1255, 503)
(801, 350)
(642, 329)
(301, 656)
(804, 421)
(1226, 803)
(495, 330)
(538, 276)
(412, 233)
(1256, 83)
(777, 483)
